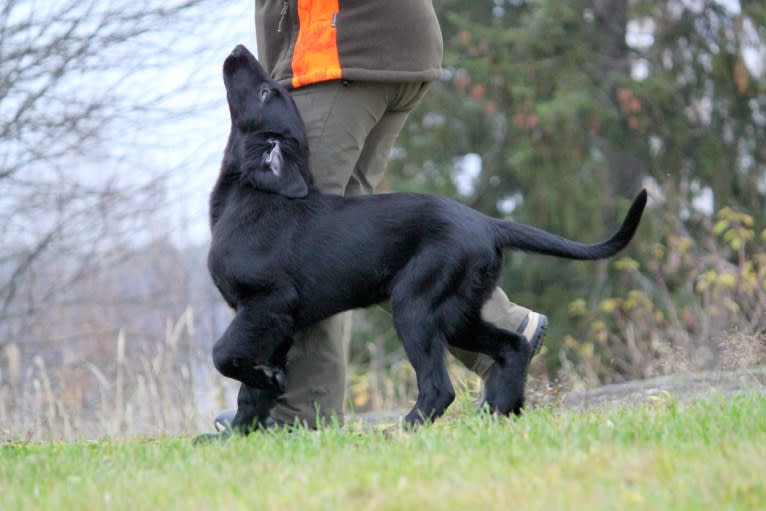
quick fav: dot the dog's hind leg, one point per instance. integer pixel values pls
(425, 347)
(504, 388)
(461, 316)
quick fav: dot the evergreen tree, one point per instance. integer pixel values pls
(571, 106)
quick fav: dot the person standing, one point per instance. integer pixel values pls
(356, 69)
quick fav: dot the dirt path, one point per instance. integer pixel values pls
(680, 387)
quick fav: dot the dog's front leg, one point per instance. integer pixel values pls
(253, 348)
(253, 408)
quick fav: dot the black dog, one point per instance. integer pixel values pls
(286, 256)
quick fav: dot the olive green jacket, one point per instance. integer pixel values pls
(301, 42)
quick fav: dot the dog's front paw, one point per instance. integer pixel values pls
(270, 378)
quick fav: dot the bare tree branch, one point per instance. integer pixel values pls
(65, 68)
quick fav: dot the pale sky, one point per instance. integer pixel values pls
(205, 134)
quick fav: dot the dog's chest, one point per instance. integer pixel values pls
(245, 251)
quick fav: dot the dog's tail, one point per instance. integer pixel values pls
(530, 239)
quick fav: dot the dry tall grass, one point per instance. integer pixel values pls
(156, 394)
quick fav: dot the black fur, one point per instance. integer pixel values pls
(286, 256)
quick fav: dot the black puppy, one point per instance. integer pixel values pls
(286, 256)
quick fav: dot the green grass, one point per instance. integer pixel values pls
(662, 455)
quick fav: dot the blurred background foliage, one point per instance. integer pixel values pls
(556, 114)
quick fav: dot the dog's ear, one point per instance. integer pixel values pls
(276, 175)
(292, 185)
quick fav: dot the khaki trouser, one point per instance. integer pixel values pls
(351, 129)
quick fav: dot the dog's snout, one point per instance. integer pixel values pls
(238, 58)
(242, 60)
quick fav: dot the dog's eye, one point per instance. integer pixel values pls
(264, 93)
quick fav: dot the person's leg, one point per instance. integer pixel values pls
(339, 120)
(373, 161)
(341, 123)
(503, 313)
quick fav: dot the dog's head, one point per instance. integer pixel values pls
(267, 143)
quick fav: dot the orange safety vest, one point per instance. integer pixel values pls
(315, 56)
